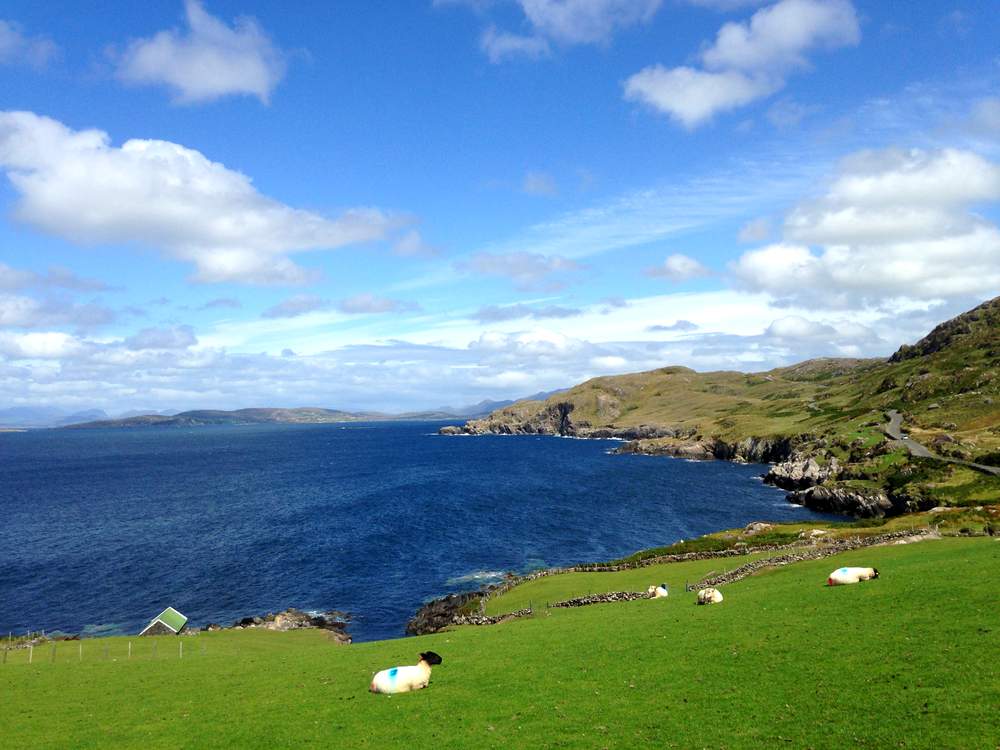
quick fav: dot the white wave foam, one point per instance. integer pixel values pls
(479, 575)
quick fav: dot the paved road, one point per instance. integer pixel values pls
(895, 431)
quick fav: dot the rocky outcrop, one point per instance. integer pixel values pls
(800, 472)
(854, 502)
(294, 619)
(442, 612)
(747, 450)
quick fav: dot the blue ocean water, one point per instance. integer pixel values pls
(100, 529)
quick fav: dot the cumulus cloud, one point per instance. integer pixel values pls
(17, 311)
(206, 61)
(76, 185)
(678, 268)
(526, 270)
(497, 313)
(295, 306)
(539, 183)
(44, 345)
(175, 337)
(17, 47)
(365, 304)
(893, 224)
(748, 61)
(564, 22)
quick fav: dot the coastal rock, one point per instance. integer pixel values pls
(800, 472)
(757, 527)
(442, 612)
(294, 619)
(860, 503)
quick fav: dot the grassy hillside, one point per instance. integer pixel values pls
(947, 386)
(910, 660)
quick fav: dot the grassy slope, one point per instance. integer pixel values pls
(953, 390)
(910, 660)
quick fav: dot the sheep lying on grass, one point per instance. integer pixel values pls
(658, 592)
(405, 679)
(843, 576)
(709, 596)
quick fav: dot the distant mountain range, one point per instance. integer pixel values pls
(45, 416)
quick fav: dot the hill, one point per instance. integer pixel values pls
(823, 420)
(238, 417)
(784, 661)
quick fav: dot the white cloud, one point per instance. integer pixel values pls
(501, 46)
(411, 244)
(786, 113)
(693, 96)
(776, 38)
(586, 21)
(755, 231)
(206, 61)
(47, 345)
(76, 185)
(18, 311)
(55, 277)
(295, 306)
(725, 5)
(893, 224)
(565, 22)
(175, 337)
(496, 313)
(16, 47)
(366, 304)
(678, 268)
(747, 61)
(526, 270)
(539, 183)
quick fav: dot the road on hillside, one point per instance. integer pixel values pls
(895, 432)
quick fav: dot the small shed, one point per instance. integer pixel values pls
(168, 622)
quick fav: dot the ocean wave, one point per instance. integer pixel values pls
(476, 576)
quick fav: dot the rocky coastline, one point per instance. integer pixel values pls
(333, 621)
(799, 464)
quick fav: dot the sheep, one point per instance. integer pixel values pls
(843, 576)
(405, 679)
(658, 592)
(709, 596)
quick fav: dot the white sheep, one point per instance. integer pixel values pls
(843, 576)
(405, 679)
(709, 596)
(658, 592)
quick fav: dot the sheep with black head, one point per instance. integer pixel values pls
(405, 679)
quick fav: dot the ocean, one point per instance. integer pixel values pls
(102, 529)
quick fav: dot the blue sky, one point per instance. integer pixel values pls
(397, 206)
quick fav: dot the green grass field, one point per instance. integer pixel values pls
(910, 660)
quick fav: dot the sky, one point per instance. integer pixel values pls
(398, 206)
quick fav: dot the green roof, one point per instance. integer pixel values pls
(172, 619)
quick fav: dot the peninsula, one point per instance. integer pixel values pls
(867, 437)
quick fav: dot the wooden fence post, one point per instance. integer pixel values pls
(81, 650)
(31, 652)
(130, 649)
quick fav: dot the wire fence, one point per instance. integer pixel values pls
(27, 650)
